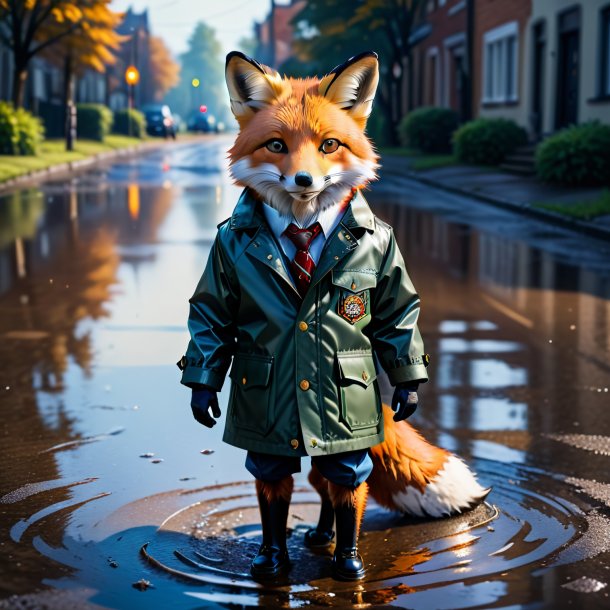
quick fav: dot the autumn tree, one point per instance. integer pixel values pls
(330, 31)
(92, 46)
(164, 71)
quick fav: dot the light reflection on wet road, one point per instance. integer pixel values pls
(98, 440)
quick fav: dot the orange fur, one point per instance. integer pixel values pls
(303, 119)
(404, 458)
(273, 490)
(318, 482)
(341, 495)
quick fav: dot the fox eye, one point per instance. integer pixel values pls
(330, 145)
(277, 146)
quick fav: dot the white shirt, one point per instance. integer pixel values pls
(328, 219)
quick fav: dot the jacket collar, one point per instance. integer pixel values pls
(248, 213)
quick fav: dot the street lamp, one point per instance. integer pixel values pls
(132, 78)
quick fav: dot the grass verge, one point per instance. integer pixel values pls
(53, 152)
(583, 210)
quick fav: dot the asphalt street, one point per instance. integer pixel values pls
(107, 481)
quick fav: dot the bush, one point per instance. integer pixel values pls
(577, 156)
(487, 141)
(93, 121)
(30, 130)
(428, 129)
(9, 137)
(129, 123)
(20, 131)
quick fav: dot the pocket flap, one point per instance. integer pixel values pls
(359, 368)
(354, 280)
(251, 371)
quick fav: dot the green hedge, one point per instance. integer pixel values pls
(487, 141)
(130, 123)
(20, 131)
(428, 129)
(577, 156)
(93, 121)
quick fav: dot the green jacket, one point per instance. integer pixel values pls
(304, 374)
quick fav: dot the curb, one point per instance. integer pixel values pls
(79, 164)
(521, 208)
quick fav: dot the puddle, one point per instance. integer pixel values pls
(95, 276)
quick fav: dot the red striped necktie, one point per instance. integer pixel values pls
(302, 266)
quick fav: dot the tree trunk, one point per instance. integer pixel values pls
(70, 115)
(20, 75)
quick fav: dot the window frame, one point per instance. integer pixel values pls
(498, 86)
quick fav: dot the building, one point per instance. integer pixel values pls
(543, 63)
(440, 57)
(274, 35)
(567, 62)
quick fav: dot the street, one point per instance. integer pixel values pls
(101, 455)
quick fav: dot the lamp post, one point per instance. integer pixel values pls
(132, 78)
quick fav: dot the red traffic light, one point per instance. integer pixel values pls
(203, 108)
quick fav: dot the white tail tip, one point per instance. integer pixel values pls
(453, 490)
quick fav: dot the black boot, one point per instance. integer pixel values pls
(272, 559)
(321, 536)
(347, 563)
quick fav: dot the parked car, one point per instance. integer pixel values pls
(159, 121)
(202, 122)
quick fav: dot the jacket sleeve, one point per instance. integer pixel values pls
(393, 330)
(212, 323)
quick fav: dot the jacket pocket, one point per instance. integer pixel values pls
(353, 301)
(358, 390)
(252, 389)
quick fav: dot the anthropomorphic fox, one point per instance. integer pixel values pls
(306, 293)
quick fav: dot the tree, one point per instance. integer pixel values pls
(337, 29)
(27, 34)
(164, 71)
(91, 46)
(202, 61)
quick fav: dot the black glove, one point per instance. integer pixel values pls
(202, 399)
(404, 401)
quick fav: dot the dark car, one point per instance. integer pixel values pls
(159, 121)
(202, 122)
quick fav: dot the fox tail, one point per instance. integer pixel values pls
(412, 476)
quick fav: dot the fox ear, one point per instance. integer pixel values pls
(252, 86)
(352, 85)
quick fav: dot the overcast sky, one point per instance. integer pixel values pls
(173, 20)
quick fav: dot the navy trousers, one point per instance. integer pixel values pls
(348, 469)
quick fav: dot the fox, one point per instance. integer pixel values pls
(302, 154)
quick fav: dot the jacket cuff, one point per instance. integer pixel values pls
(409, 372)
(195, 375)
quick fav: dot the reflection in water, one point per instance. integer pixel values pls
(94, 279)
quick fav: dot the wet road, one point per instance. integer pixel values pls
(100, 454)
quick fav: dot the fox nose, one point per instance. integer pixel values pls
(303, 179)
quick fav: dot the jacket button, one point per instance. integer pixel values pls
(353, 286)
(365, 375)
(304, 384)
(294, 443)
(303, 326)
(269, 256)
(243, 381)
(314, 442)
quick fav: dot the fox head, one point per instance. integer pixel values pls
(301, 144)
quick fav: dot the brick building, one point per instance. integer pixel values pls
(275, 34)
(440, 58)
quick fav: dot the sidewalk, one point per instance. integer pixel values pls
(505, 190)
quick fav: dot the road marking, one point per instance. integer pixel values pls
(507, 311)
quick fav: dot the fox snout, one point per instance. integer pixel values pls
(303, 179)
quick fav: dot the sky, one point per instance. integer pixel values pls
(174, 20)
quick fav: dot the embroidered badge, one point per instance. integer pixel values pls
(352, 307)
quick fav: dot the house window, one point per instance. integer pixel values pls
(500, 65)
(605, 53)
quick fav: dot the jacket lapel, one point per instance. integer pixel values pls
(264, 248)
(343, 240)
